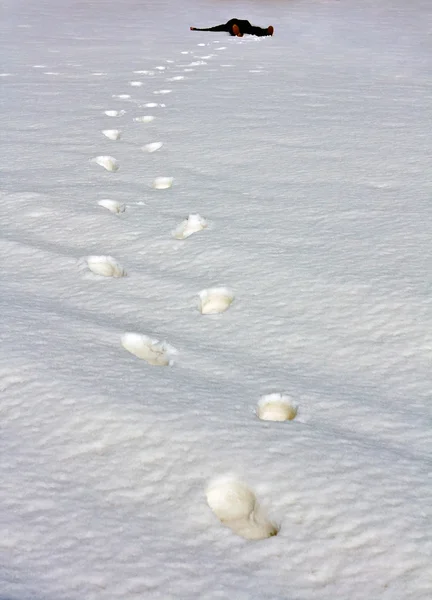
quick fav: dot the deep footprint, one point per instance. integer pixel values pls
(112, 205)
(107, 162)
(112, 134)
(276, 407)
(215, 300)
(162, 183)
(114, 113)
(192, 224)
(106, 266)
(144, 119)
(152, 147)
(154, 352)
(236, 506)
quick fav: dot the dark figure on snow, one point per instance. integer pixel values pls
(239, 28)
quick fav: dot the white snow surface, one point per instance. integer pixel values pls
(310, 155)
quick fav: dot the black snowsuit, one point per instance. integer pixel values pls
(244, 26)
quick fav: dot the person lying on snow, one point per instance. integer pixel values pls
(239, 28)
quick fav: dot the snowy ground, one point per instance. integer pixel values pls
(309, 156)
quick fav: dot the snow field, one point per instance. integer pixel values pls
(317, 196)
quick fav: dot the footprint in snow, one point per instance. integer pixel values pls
(105, 266)
(144, 119)
(112, 205)
(112, 134)
(162, 183)
(162, 92)
(152, 147)
(114, 113)
(154, 352)
(154, 105)
(160, 68)
(121, 96)
(176, 78)
(136, 83)
(276, 407)
(236, 506)
(192, 224)
(107, 162)
(144, 73)
(216, 300)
